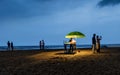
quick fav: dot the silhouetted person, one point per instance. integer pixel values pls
(98, 43)
(71, 45)
(40, 45)
(65, 46)
(8, 44)
(43, 44)
(12, 47)
(94, 43)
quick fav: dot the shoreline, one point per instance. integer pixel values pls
(57, 47)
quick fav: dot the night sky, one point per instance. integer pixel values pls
(26, 22)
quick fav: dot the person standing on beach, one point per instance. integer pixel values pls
(12, 47)
(42, 44)
(65, 46)
(98, 43)
(8, 44)
(74, 43)
(94, 43)
(71, 45)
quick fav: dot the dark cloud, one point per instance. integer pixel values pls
(103, 3)
(16, 8)
(29, 8)
(10, 8)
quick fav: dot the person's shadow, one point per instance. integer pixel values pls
(65, 53)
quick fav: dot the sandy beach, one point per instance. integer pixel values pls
(82, 62)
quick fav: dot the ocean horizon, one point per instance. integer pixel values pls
(48, 47)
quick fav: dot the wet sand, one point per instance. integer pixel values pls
(82, 62)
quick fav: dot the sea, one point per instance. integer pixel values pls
(54, 47)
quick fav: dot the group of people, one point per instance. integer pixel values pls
(10, 45)
(72, 44)
(42, 45)
(96, 43)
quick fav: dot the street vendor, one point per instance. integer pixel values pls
(72, 44)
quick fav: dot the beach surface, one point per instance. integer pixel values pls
(56, 62)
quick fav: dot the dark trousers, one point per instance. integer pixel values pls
(71, 47)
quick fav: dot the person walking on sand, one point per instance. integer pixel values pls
(98, 43)
(94, 43)
(12, 47)
(8, 44)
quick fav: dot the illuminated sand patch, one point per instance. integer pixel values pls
(60, 55)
